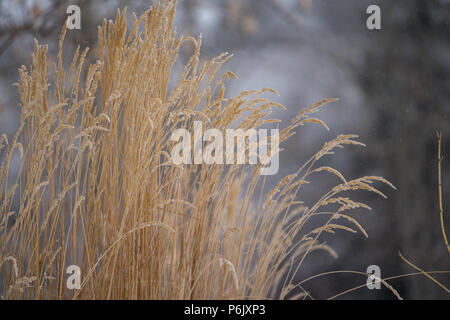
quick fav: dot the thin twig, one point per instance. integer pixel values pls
(423, 272)
(441, 212)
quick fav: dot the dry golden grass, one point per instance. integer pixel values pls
(96, 187)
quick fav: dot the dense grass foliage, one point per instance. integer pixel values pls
(96, 187)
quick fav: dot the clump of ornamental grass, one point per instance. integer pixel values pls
(96, 187)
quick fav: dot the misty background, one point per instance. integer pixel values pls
(393, 87)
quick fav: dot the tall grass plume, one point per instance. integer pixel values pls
(96, 187)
